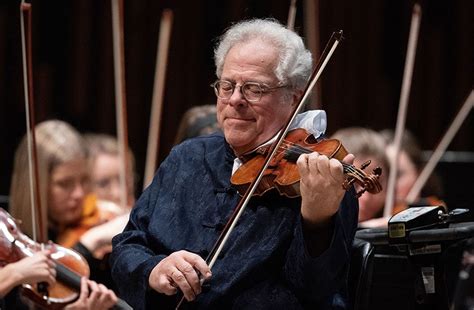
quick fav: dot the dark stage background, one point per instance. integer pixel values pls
(73, 69)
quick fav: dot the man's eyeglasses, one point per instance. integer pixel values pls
(252, 91)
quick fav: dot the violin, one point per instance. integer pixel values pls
(70, 266)
(95, 212)
(282, 171)
(15, 245)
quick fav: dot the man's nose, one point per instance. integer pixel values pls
(237, 97)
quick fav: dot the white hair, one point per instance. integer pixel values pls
(295, 62)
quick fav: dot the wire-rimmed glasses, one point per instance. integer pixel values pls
(252, 91)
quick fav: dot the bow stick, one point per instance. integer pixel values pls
(402, 108)
(27, 60)
(443, 144)
(120, 95)
(311, 22)
(291, 16)
(158, 95)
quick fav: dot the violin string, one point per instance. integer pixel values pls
(292, 148)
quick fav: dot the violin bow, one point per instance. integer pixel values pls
(33, 170)
(238, 211)
(402, 108)
(312, 35)
(311, 21)
(290, 24)
(158, 95)
(27, 61)
(443, 144)
(120, 95)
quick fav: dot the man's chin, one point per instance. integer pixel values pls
(237, 138)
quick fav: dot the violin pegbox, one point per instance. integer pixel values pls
(367, 182)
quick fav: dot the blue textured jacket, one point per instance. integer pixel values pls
(265, 263)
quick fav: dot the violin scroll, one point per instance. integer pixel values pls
(367, 182)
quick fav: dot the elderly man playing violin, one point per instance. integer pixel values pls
(283, 252)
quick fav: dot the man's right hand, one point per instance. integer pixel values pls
(180, 270)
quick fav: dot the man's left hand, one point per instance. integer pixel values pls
(321, 186)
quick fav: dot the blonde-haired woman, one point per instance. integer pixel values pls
(63, 186)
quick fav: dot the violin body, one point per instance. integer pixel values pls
(14, 245)
(61, 293)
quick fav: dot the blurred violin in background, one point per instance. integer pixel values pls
(95, 213)
(70, 266)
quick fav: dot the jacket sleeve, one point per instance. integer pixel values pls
(317, 280)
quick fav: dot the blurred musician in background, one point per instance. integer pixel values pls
(105, 169)
(410, 165)
(197, 121)
(73, 217)
(367, 144)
